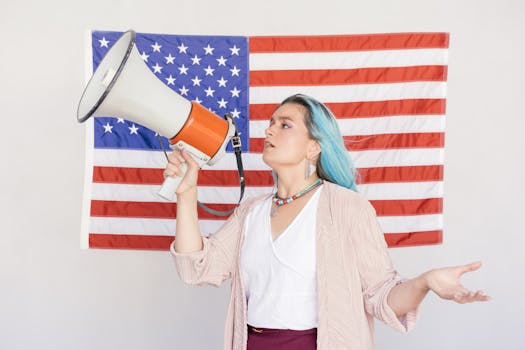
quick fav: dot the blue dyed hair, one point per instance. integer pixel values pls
(334, 163)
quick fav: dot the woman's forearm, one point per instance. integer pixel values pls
(188, 236)
(408, 295)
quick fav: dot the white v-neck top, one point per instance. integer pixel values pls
(280, 275)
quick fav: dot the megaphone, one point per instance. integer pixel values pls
(123, 86)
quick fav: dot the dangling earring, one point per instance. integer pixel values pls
(309, 169)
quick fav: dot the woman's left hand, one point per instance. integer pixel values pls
(445, 282)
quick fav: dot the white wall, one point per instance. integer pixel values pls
(55, 296)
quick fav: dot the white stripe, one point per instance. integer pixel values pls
(348, 60)
(374, 126)
(148, 227)
(148, 193)
(351, 93)
(414, 223)
(230, 195)
(253, 161)
(89, 153)
(166, 227)
(402, 190)
(401, 157)
(130, 158)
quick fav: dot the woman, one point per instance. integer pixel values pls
(309, 264)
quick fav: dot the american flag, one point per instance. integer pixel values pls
(387, 90)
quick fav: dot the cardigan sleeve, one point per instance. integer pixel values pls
(377, 273)
(215, 262)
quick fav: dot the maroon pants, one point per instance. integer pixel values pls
(280, 339)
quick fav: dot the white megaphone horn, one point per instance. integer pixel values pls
(123, 86)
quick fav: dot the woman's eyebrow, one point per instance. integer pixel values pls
(281, 118)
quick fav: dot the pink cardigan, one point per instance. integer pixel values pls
(354, 272)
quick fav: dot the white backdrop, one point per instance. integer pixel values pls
(55, 296)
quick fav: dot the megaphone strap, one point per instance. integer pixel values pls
(236, 144)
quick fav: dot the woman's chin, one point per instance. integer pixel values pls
(266, 159)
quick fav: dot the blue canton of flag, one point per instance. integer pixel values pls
(211, 70)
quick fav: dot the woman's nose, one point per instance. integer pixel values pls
(268, 131)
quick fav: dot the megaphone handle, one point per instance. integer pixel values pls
(170, 185)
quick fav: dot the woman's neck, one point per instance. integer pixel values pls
(291, 184)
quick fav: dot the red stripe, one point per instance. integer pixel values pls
(147, 176)
(395, 141)
(348, 42)
(377, 142)
(114, 241)
(414, 238)
(408, 207)
(347, 76)
(366, 109)
(400, 174)
(141, 176)
(160, 210)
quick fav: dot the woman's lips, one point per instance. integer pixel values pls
(268, 144)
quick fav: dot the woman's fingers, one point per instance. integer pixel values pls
(182, 164)
(470, 267)
(469, 297)
(186, 157)
(177, 163)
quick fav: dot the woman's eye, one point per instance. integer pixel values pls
(285, 126)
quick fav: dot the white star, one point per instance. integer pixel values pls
(183, 69)
(236, 113)
(183, 91)
(107, 128)
(120, 120)
(222, 61)
(197, 100)
(170, 80)
(182, 48)
(222, 82)
(222, 103)
(144, 56)
(156, 47)
(235, 71)
(157, 68)
(196, 81)
(235, 50)
(169, 59)
(209, 70)
(209, 91)
(133, 129)
(208, 50)
(196, 60)
(235, 92)
(103, 42)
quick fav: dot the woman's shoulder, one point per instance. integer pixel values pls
(338, 192)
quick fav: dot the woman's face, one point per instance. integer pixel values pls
(287, 142)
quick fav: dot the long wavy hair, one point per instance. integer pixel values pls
(334, 163)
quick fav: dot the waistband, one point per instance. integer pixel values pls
(260, 330)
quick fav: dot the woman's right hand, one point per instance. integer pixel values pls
(176, 160)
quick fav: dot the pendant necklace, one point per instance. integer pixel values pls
(279, 202)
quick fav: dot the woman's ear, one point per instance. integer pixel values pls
(314, 150)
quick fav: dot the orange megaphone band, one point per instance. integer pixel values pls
(203, 130)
